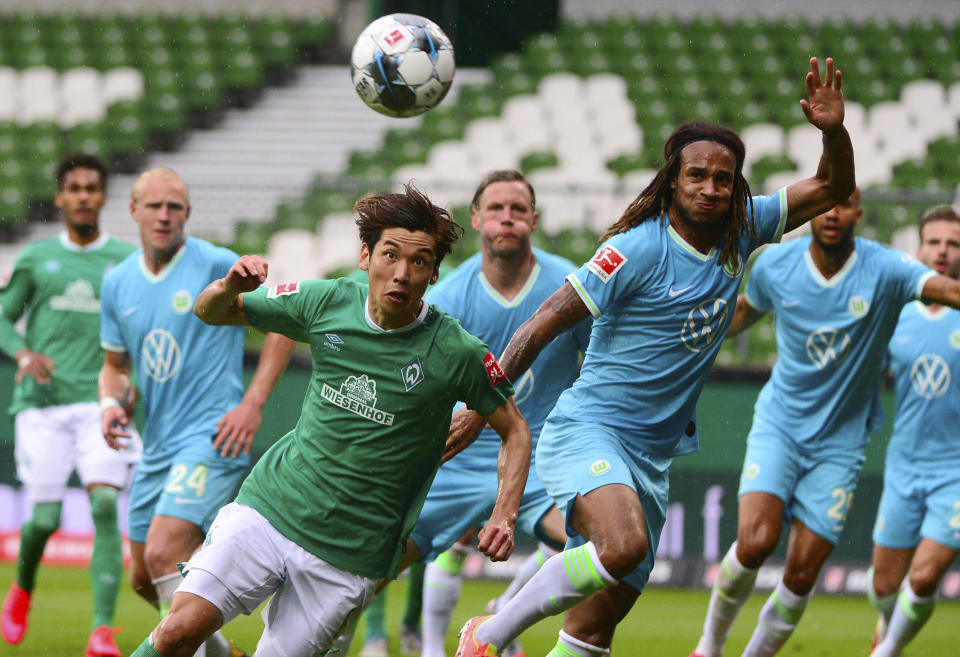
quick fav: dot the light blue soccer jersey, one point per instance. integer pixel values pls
(831, 336)
(660, 311)
(190, 373)
(466, 294)
(925, 358)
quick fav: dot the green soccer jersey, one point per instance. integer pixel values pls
(348, 482)
(58, 283)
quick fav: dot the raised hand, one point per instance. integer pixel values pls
(246, 274)
(823, 106)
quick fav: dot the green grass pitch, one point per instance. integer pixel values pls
(664, 623)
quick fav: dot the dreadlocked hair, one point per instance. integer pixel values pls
(654, 201)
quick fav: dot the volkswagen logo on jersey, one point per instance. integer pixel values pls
(523, 387)
(161, 355)
(704, 324)
(930, 376)
(827, 345)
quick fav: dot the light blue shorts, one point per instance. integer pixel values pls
(574, 458)
(193, 487)
(462, 497)
(816, 488)
(918, 503)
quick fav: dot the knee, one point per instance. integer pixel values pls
(103, 506)
(46, 518)
(757, 543)
(158, 559)
(800, 579)
(884, 583)
(621, 554)
(178, 633)
(925, 579)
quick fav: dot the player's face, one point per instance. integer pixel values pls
(833, 230)
(505, 218)
(161, 209)
(940, 247)
(80, 199)
(704, 184)
(400, 268)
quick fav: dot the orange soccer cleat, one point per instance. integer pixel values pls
(469, 646)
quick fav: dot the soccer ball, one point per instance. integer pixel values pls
(402, 65)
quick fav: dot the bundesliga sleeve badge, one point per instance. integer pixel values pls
(283, 290)
(606, 262)
(493, 368)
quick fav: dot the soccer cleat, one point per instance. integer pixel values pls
(374, 647)
(512, 649)
(469, 646)
(236, 652)
(695, 654)
(411, 643)
(13, 622)
(102, 643)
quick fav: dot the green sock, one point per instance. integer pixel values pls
(376, 615)
(411, 615)
(145, 649)
(106, 564)
(33, 538)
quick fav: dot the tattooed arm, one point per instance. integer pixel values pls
(557, 314)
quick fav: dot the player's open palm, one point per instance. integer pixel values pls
(823, 106)
(247, 274)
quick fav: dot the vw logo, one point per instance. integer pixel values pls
(161, 355)
(704, 324)
(930, 376)
(827, 345)
(523, 387)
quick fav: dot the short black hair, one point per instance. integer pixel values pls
(81, 161)
(411, 210)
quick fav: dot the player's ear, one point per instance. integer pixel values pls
(436, 275)
(475, 218)
(364, 257)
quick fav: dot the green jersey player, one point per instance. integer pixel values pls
(56, 282)
(321, 521)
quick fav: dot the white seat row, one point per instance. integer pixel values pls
(75, 96)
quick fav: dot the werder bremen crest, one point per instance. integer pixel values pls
(358, 394)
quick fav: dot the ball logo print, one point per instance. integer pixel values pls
(930, 376)
(161, 355)
(704, 324)
(827, 345)
(402, 65)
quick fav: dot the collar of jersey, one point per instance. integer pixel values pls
(92, 246)
(502, 300)
(930, 315)
(818, 277)
(418, 320)
(686, 247)
(156, 278)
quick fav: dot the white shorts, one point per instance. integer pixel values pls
(53, 440)
(245, 560)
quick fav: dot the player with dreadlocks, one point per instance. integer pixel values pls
(661, 290)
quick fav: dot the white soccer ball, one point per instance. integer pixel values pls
(402, 65)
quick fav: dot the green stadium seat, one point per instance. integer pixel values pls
(312, 35)
(88, 138)
(275, 39)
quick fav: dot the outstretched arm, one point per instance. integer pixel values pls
(513, 463)
(744, 316)
(943, 290)
(220, 302)
(558, 313)
(835, 179)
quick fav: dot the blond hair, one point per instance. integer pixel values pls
(157, 172)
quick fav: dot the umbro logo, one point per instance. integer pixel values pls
(332, 341)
